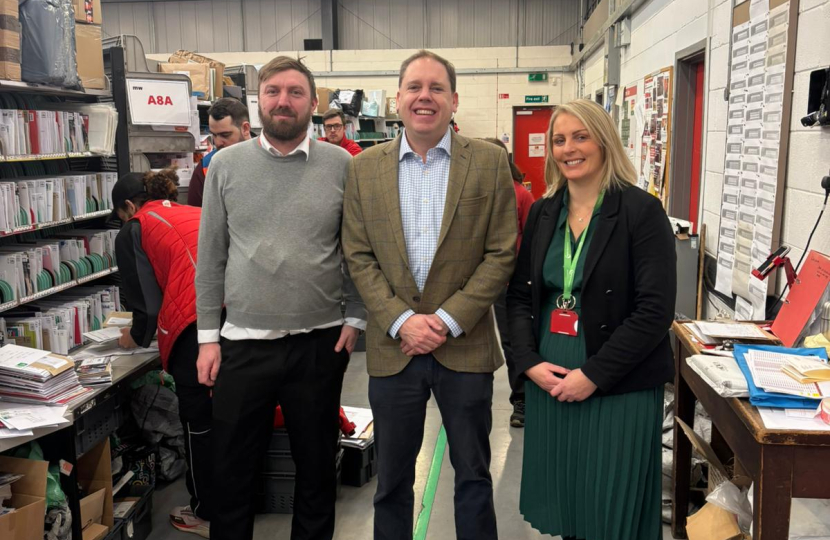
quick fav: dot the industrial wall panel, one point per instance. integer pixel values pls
(131, 18)
(550, 22)
(283, 25)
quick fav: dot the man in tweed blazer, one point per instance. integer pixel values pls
(429, 233)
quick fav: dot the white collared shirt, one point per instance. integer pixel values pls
(302, 147)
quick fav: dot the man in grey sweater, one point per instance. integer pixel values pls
(269, 252)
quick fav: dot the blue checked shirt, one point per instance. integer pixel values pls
(422, 188)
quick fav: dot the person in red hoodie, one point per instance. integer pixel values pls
(524, 200)
(334, 122)
(156, 252)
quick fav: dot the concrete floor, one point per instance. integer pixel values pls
(354, 506)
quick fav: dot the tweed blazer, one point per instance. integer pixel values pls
(473, 261)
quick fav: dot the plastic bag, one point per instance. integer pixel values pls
(55, 496)
(47, 42)
(351, 101)
(58, 523)
(732, 499)
(156, 412)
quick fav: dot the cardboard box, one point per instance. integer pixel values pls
(187, 57)
(323, 99)
(199, 75)
(92, 508)
(712, 523)
(28, 499)
(95, 532)
(88, 11)
(392, 106)
(90, 56)
(94, 471)
(9, 40)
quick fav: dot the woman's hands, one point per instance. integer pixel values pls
(571, 386)
(574, 387)
(545, 375)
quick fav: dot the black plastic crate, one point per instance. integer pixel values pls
(279, 441)
(115, 532)
(279, 462)
(106, 414)
(359, 465)
(138, 523)
(277, 490)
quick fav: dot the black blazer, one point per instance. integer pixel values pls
(628, 292)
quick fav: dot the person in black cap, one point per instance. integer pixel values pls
(156, 251)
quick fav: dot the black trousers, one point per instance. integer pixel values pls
(195, 413)
(517, 389)
(399, 408)
(304, 374)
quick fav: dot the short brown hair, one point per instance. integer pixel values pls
(428, 54)
(284, 63)
(224, 107)
(331, 113)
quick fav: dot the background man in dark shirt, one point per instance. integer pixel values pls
(229, 124)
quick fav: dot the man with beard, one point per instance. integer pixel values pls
(229, 124)
(269, 251)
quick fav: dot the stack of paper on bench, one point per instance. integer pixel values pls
(95, 371)
(807, 370)
(19, 419)
(35, 376)
(768, 386)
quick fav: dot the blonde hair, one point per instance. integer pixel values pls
(617, 171)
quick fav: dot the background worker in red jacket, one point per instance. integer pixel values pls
(524, 200)
(334, 122)
(156, 253)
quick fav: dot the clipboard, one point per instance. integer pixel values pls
(803, 298)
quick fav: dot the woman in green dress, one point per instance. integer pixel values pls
(590, 305)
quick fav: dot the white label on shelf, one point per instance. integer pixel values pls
(158, 103)
(253, 111)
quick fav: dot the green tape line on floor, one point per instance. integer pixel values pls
(422, 524)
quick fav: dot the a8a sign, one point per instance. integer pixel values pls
(160, 100)
(156, 102)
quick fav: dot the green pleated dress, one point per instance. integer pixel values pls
(591, 469)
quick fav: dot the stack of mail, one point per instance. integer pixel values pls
(364, 434)
(35, 376)
(95, 371)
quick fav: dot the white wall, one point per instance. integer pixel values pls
(593, 73)
(480, 112)
(661, 29)
(809, 148)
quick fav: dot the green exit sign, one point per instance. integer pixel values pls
(537, 77)
(536, 99)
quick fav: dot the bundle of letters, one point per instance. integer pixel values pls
(95, 371)
(6, 481)
(58, 323)
(38, 201)
(76, 128)
(35, 376)
(30, 267)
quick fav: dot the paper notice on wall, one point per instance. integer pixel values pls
(743, 310)
(758, 9)
(536, 151)
(536, 139)
(723, 279)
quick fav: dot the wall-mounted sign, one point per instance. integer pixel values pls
(537, 77)
(158, 103)
(536, 99)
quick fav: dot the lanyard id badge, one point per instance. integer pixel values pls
(564, 320)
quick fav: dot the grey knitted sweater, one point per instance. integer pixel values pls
(269, 240)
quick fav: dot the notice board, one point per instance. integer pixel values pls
(760, 82)
(645, 127)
